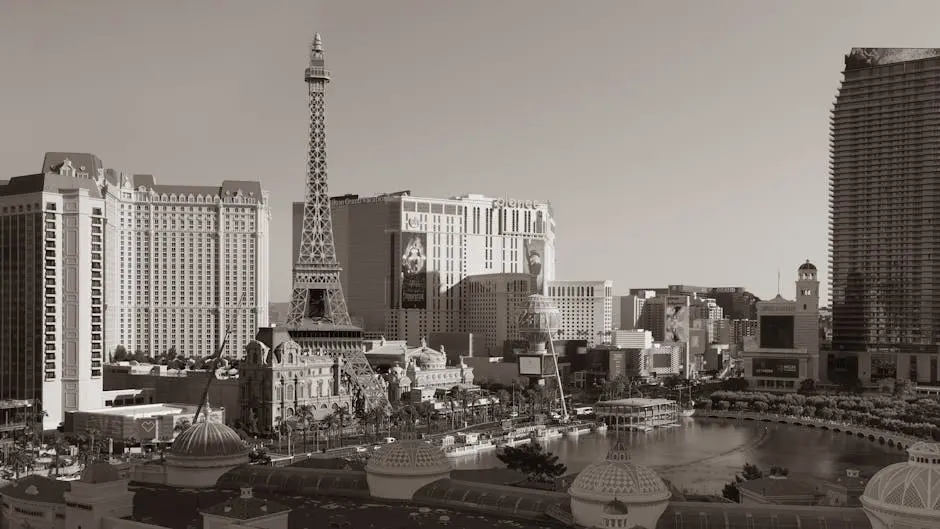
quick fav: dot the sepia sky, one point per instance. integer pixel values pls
(678, 141)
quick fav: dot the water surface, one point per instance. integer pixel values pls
(705, 454)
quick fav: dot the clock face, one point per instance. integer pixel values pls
(413, 222)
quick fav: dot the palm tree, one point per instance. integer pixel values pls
(88, 446)
(425, 409)
(505, 399)
(532, 397)
(21, 457)
(464, 397)
(403, 416)
(376, 417)
(282, 428)
(181, 426)
(305, 418)
(59, 445)
(342, 414)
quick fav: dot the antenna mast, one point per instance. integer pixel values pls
(214, 359)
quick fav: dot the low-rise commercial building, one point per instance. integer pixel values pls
(146, 423)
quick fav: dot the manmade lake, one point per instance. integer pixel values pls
(704, 454)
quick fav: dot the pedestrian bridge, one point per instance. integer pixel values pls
(892, 439)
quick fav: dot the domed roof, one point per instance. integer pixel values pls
(428, 358)
(912, 485)
(208, 439)
(616, 508)
(619, 478)
(408, 457)
(807, 266)
(100, 472)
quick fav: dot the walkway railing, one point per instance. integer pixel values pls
(898, 438)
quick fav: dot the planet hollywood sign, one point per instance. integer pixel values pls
(513, 203)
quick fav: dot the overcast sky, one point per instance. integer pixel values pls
(678, 141)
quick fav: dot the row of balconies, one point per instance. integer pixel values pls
(869, 124)
(894, 103)
(847, 140)
(859, 141)
(916, 111)
(887, 163)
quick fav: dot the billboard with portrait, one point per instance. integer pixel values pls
(414, 271)
(676, 319)
(534, 262)
(776, 367)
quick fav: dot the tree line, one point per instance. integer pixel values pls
(910, 415)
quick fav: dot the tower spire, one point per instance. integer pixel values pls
(778, 281)
(316, 52)
(317, 296)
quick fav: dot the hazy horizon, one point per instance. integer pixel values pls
(679, 142)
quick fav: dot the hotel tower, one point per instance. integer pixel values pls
(885, 216)
(410, 260)
(91, 259)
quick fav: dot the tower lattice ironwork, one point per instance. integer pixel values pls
(317, 295)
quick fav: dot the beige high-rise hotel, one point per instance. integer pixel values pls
(91, 259)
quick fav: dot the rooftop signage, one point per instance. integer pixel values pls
(514, 203)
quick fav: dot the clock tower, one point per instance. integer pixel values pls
(806, 316)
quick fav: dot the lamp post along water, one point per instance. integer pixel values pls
(540, 320)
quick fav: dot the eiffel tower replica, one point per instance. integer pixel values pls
(318, 318)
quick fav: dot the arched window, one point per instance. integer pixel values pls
(290, 392)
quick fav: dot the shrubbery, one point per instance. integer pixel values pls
(910, 416)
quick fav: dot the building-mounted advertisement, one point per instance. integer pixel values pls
(534, 262)
(776, 367)
(536, 365)
(777, 332)
(676, 319)
(414, 271)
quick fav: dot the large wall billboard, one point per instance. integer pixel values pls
(662, 360)
(534, 262)
(776, 332)
(776, 367)
(414, 271)
(677, 319)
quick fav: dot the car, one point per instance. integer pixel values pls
(513, 414)
(389, 440)
(360, 449)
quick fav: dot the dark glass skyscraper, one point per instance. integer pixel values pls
(885, 212)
